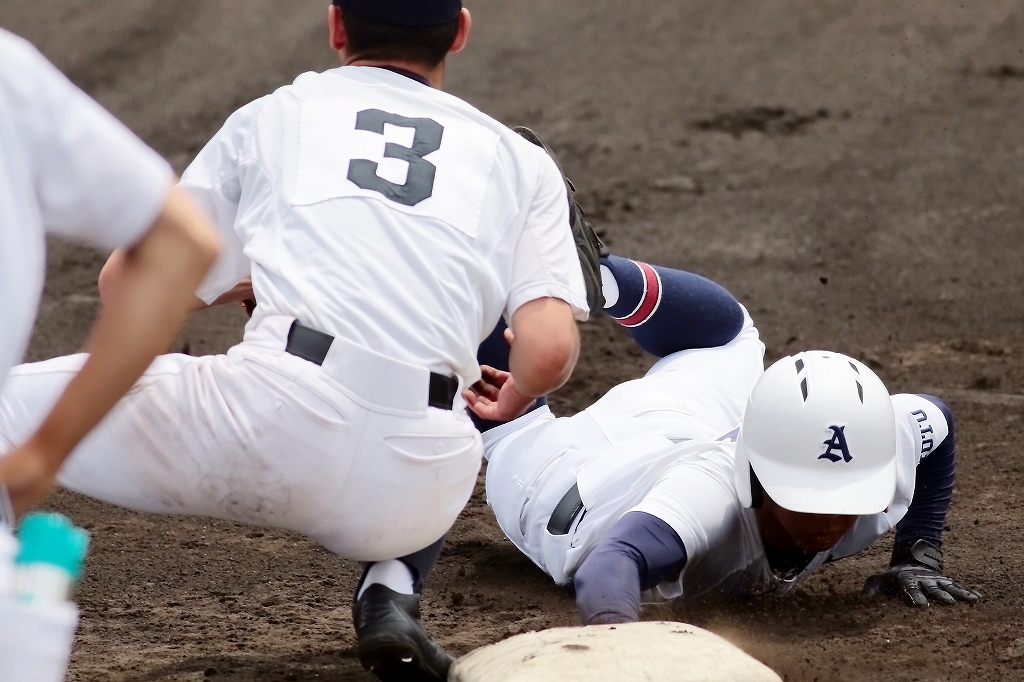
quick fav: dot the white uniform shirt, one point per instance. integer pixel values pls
(377, 209)
(67, 167)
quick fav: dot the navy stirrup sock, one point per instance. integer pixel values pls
(668, 310)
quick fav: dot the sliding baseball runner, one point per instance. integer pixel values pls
(707, 476)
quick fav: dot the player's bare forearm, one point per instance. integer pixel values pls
(153, 294)
(542, 356)
(545, 348)
(111, 275)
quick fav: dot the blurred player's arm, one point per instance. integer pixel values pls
(668, 310)
(158, 276)
(640, 552)
(113, 271)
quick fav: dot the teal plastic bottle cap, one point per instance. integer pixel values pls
(50, 538)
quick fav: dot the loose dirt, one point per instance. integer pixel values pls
(850, 169)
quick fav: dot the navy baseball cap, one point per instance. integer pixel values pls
(403, 12)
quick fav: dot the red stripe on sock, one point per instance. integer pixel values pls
(650, 301)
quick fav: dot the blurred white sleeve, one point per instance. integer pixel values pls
(94, 179)
(212, 180)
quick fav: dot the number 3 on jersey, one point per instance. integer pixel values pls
(359, 150)
(419, 183)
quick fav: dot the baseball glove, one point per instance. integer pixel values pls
(589, 246)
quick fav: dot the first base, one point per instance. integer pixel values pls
(640, 652)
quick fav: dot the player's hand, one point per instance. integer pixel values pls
(917, 585)
(241, 292)
(919, 580)
(28, 475)
(495, 397)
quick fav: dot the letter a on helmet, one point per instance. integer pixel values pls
(819, 435)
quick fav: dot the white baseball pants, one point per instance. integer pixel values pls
(347, 453)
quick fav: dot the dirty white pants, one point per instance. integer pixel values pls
(348, 453)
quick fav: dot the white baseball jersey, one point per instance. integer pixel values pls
(67, 167)
(665, 445)
(379, 210)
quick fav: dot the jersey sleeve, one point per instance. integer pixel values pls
(697, 500)
(213, 181)
(925, 469)
(545, 263)
(94, 179)
(922, 426)
(933, 489)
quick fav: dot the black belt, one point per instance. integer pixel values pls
(566, 511)
(309, 344)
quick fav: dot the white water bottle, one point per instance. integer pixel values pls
(50, 559)
(37, 622)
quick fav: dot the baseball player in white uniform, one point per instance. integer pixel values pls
(385, 227)
(707, 476)
(68, 168)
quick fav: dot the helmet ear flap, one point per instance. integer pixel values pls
(756, 491)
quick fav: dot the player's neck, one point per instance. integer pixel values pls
(433, 75)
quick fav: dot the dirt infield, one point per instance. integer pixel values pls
(850, 170)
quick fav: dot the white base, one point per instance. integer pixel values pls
(634, 652)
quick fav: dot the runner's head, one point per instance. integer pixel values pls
(399, 32)
(819, 439)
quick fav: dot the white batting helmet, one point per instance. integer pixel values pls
(819, 434)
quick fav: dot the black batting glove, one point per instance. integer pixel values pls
(915, 573)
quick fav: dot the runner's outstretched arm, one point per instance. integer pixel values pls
(933, 490)
(640, 552)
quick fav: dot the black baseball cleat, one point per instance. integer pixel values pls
(393, 644)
